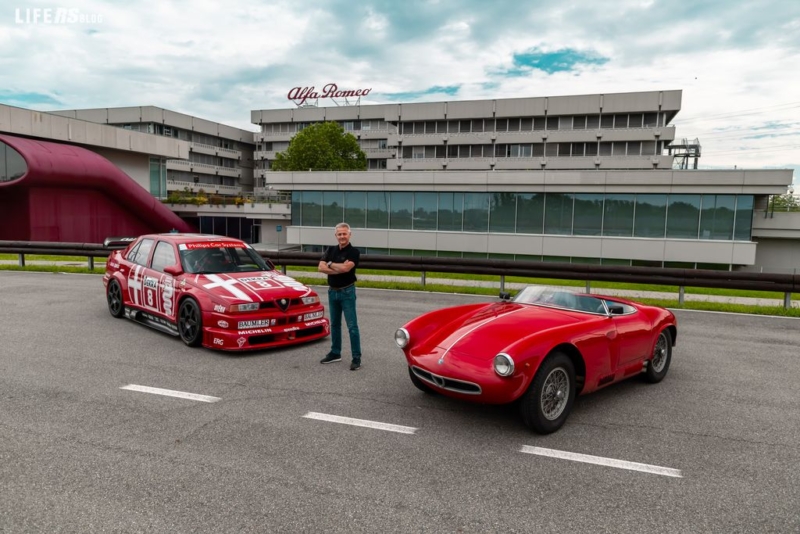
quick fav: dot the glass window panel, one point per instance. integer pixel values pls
(430, 127)
(618, 148)
(465, 126)
(452, 126)
(651, 216)
(552, 123)
(588, 214)
(377, 209)
(477, 125)
(526, 125)
(592, 122)
(744, 217)
(538, 123)
(441, 150)
(621, 120)
(355, 213)
(502, 212)
(312, 208)
(564, 148)
(614, 261)
(451, 207)
(716, 217)
(452, 151)
(648, 148)
(297, 208)
(591, 149)
(448, 254)
(400, 204)
(635, 120)
(551, 149)
(400, 252)
(579, 122)
(607, 121)
(502, 125)
(476, 212)
(530, 213)
(605, 148)
(650, 120)
(441, 126)
(566, 123)
(332, 208)
(538, 150)
(634, 148)
(558, 213)
(425, 211)
(618, 215)
(683, 216)
(513, 125)
(528, 257)
(488, 125)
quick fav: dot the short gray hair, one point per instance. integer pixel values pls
(342, 225)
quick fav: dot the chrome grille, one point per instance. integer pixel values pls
(443, 382)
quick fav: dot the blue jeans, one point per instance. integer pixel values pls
(343, 301)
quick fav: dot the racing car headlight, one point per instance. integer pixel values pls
(310, 300)
(503, 364)
(401, 337)
(250, 306)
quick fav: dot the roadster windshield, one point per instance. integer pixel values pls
(558, 298)
(222, 259)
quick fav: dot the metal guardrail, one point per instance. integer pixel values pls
(681, 278)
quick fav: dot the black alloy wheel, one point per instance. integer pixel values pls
(190, 323)
(116, 306)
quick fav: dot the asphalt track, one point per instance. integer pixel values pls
(272, 453)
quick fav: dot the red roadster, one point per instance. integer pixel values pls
(543, 347)
(212, 291)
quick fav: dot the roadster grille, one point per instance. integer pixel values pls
(450, 384)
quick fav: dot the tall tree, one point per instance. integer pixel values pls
(323, 146)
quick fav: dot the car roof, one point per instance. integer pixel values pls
(179, 239)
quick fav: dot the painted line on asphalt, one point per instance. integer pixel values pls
(171, 393)
(360, 422)
(599, 460)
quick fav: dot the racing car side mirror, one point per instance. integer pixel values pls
(174, 270)
(505, 295)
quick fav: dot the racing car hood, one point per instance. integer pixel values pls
(257, 286)
(487, 331)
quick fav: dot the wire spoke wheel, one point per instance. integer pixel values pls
(660, 353)
(554, 395)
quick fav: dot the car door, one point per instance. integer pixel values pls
(633, 335)
(158, 287)
(138, 257)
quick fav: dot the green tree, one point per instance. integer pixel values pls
(322, 146)
(786, 202)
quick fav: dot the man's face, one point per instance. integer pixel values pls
(342, 236)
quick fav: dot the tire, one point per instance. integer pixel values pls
(116, 305)
(658, 364)
(545, 406)
(420, 385)
(190, 323)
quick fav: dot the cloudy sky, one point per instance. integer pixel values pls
(737, 61)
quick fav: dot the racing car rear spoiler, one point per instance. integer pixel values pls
(118, 242)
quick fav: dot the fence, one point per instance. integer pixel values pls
(680, 278)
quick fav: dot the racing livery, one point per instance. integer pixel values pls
(210, 290)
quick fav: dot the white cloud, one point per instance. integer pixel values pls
(220, 60)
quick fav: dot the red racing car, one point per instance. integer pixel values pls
(544, 347)
(212, 291)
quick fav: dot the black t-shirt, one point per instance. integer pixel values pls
(341, 255)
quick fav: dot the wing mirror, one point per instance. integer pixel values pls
(615, 309)
(174, 270)
(505, 295)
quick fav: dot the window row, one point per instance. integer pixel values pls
(528, 124)
(674, 216)
(526, 257)
(349, 126)
(180, 133)
(533, 150)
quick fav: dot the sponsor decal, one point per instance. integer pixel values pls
(313, 315)
(240, 341)
(166, 295)
(315, 323)
(222, 324)
(228, 285)
(183, 284)
(213, 244)
(150, 282)
(300, 94)
(255, 331)
(114, 265)
(256, 323)
(219, 308)
(218, 341)
(292, 329)
(290, 282)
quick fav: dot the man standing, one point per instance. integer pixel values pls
(339, 262)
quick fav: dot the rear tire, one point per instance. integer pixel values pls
(116, 306)
(548, 401)
(658, 364)
(420, 385)
(190, 323)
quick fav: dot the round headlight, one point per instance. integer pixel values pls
(401, 337)
(503, 364)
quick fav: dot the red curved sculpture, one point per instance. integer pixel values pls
(72, 194)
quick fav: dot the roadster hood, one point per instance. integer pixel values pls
(255, 286)
(487, 331)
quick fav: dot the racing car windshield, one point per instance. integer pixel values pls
(559, 298)
(203, 258)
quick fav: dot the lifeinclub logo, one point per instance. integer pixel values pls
(55, 15)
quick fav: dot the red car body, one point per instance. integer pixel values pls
(452, 351)
(211, 291)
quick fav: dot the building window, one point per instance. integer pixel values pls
(12, 165)
(683, 216)
(400, 205)
(717, 216)
(332, 208)
(650, 216)
(451, 211)
(618, 215)
(476, 212)
(558, 213)
(502, 212)
(425, 211)
(355, 213)
(378, 209)
(530, 213)
(588, 214)
(743, 223)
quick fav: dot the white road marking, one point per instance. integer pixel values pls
(171, 393)
(360, 422)
(599, 460)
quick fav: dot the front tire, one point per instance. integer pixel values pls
(116, 306)
(658, 365)
(548, 401)
(420, 385)
(190, 323)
